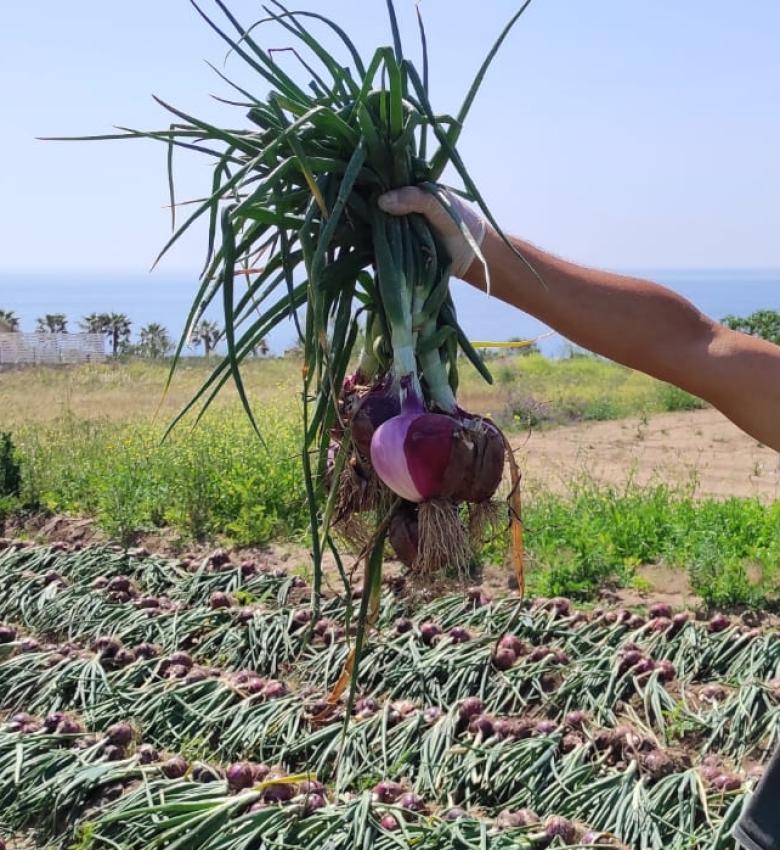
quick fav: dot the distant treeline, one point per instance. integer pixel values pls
(153, 340)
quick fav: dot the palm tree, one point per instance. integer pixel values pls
(9, 321)
(116, 326)
(52, 323)
(207, 334)
(154, 341)
(94, 323)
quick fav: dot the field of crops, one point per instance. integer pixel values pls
(157, 703)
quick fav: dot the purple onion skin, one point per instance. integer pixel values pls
(402, 626)
(482, 725)
(375, 408)
(239, 775)
(313, 802)
(174, 767)
(404, 534)
(458, 634)
(281, 793)
(411, 802)
(421, 456)
(513, 643)
(519, 819)
(558, 827)
(503, 658)
(389, 823)
(147, 754)
(661, 609)
(120, 734)
(7, 634)
(429, 632)
(455, 813)
(719, 623)
(387, 791)
(203, 773)
(470, 707)
(114, 753)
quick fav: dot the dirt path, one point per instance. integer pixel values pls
(700, 448)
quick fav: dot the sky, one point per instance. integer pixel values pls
(639, 134)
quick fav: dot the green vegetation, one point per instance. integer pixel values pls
(217, 481)
(762, 323)
(214, 480)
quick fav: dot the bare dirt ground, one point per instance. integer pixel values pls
(699, 449)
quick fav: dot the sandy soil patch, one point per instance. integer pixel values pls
(699, 449)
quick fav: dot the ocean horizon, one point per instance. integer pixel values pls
(165, 298)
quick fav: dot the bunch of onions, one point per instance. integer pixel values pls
(294, 201)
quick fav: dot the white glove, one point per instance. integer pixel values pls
(414, 200)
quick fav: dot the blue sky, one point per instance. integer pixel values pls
(622, 134)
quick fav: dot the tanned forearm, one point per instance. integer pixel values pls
(644, 326)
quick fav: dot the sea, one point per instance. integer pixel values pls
(166, 298)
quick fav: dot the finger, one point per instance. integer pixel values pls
(404, 201)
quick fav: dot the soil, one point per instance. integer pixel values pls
(699, 450)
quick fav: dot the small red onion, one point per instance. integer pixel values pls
(727, 782)
(482, 724)
(388, 823)
(458, 634)
(281, 793)
(120, 734)
(274, 689)
(570, 742)
(576, 719)
(477, 598)
(7, 634)
(218, 599)
(454, 813)
(146, 650)
(147, 754)
(29, 645)
(120, 584)
(148, 602)
(429, 632)
(300, 617)
(660, 624)
(513, 643)
(558, 827)
(546, 727)
(182, 658)
(387, 791)
(402, 626)
(313, 802)
(432, 714)
(658, 764)
(259, 771)
(666, 670)
(718, 623)
(239, 775)
(124, 657)
(204, 773)
(503, 658)
(411, 802)
(470, 707)
(114, 753)
(661, 609)
(516, 819)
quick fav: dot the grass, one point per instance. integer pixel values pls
(526, 389)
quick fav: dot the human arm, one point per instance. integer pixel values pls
(632, 321)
